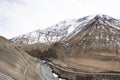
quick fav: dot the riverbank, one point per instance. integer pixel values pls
(73, 75)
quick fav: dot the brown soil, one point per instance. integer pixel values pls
(17, 64)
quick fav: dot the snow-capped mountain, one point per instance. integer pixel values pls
(64, 30)
(91, 47)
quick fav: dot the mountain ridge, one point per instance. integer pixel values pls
(63, 30)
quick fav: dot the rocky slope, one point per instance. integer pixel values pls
(15, 64)
(4, 40)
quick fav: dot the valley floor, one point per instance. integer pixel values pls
(91, 63)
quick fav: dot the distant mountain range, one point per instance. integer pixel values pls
(65, 30)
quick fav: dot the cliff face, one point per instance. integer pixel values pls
(15, 64)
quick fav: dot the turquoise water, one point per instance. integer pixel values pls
(47, 72)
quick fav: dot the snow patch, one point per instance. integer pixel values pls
(70, 30)
(65, 30)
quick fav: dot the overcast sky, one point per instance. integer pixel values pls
(23, 16)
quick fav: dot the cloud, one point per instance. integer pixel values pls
(22, 16)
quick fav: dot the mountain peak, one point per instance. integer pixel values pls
(66, 29)
(101, 15)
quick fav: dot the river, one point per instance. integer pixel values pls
(47, 72)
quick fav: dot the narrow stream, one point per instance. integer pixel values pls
(47, 72)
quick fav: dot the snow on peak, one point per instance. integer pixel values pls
(62, 30)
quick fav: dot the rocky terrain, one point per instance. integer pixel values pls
(94, 49)
(15, 64)
(80, 49)
(91, 48)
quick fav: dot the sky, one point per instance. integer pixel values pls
(22, 16)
